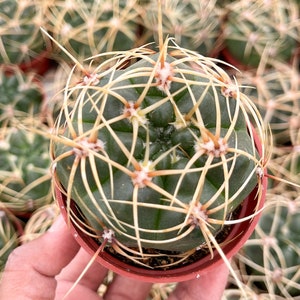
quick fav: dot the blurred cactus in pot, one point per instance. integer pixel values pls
(20, 38)
(286, 160)
(276, 92)
(21, 96)
(8, 237)
(39, 222)
(255, 27)
(25, 180)
(195, 25)
(271, 257)
(90, 27)
(156, 155)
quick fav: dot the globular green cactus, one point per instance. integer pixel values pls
(90, 27)
(25, 183)
(156, 154)
(21, 96)
(271, 256)
(8, 237)
(20, 38)
(254, 29)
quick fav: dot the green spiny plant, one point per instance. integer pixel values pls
(87, 28)
(195, 25)
(20, 37)
(271, 257)
(286, 162)
(21, 96)
(8, 237)
(156, 155)
(25, 180)
(253, 27)
(275, 91)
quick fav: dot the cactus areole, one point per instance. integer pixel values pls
(153, 161)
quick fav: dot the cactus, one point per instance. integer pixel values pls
(156, 154)
(275, 91)
(195, 25)
(39, 222)
(8, 237)
(21, 96)
(253, 28)
(25, 183)
(20, 38)
(88, 28)
(286, 162)
(271, 255)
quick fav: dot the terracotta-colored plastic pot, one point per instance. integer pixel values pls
(238, 235)
(40, 64)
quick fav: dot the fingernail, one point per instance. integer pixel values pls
(58, 224)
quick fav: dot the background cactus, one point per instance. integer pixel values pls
(25, 180)
(21, 96)
(275, 91)
(253, 28)
(39, 222)
(8, 237)
(91, 27)
(195, 25)
(271, 257)
(21, 40)
(154, 152)
(286, 162)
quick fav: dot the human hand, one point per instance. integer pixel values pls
(46, 268)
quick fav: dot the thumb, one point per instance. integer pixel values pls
(31, 268)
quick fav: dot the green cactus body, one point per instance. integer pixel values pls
(21, 96)
(274, 250)
(155, 151)
(24, 177)
(20, 38)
